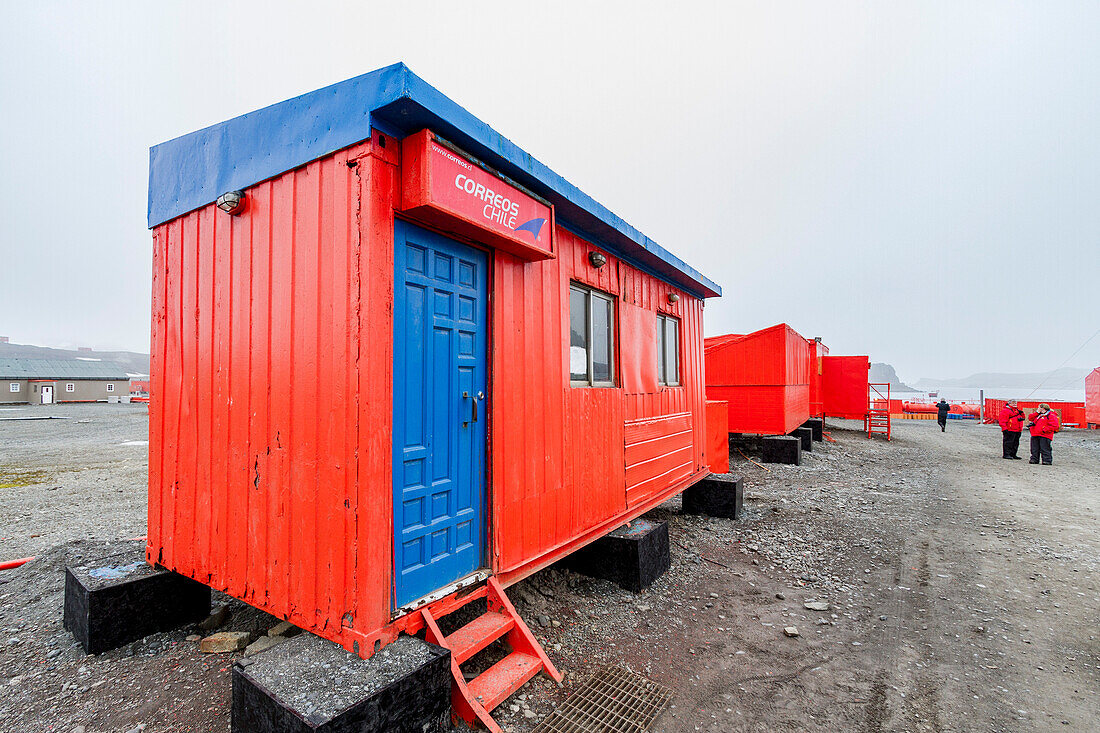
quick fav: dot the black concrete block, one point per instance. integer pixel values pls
(817, 425)
(118, 599)
(718, 495)
(806, 435)
(309, 684)
(632, 556)
(781, 449)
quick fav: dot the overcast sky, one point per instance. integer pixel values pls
(919, 182)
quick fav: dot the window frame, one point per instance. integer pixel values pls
(13, 387)
(592, 294)
(662, 350)
(70, 387)
(110, 387)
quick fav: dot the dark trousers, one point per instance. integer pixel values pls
(1041, 448)
(942, 420)
(1011, 443)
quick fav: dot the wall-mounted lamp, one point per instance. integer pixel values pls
(231, 202)
(673, 298)
(597, 259)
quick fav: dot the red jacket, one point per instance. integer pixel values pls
(1011, 419)
(1044, 426)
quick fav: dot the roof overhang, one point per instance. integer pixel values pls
(193, 170)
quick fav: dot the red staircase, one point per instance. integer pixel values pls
(877, 419)
(473, 701)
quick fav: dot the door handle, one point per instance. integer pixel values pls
(474, 418)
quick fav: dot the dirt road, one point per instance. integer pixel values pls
(961, 594)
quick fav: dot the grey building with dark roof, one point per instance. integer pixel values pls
(46, 381)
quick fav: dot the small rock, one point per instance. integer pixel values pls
(790, 630)
(284, 628)
(224, 641)
(816, 605)
(781, 596)
(79, 729)
(193, 637)
(216, 619)
(555, 623)
(528, 713)
(882, 617)
(263, 644)
(642, 607)
(544, 620)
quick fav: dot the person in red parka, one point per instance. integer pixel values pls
(1043, 424)
(1011, 421)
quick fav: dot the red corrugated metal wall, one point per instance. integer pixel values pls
(267, 457)
(271, 415)
(764, 377)
(562, 456)
(844, 386)
(1092, 397)
(817, 351)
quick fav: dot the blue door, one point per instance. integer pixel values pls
(439, 420)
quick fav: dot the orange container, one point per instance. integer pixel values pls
(844, 386)
(763, 376)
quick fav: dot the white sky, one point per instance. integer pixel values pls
(919, 182)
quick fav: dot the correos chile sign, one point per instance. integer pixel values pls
(448, 190)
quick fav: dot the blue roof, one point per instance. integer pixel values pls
(193, 170)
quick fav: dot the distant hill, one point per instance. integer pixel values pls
(882, 373)
(130, 361)
(1067, 377)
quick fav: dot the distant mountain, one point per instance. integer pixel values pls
(1065, 378)
(132, 362)
(882, 373)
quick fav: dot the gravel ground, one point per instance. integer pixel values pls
(959, 593)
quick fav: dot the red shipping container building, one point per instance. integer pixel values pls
(1092, 398)
(764, 377)
(406, 357)
(844, 386)
(818, 351)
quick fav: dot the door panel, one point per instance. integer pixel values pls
(440, 355)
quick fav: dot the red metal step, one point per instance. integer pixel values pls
(496, 684)
(478, 634)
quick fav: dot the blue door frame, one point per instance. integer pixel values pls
(440, 356)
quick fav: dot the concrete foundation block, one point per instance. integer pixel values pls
(806, 436)
(119, 599)
(632, 556)
(817, 425)
(781, 449)
(718, 495)
(308, 684)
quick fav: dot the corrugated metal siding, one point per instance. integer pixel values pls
(258, 366)
(844, 386)
(765, 378)
(558, 452)
(1092, 397)
(270, 430)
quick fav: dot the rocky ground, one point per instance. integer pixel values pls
(934, 587)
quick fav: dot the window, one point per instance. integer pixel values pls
(591, 337)
(70, 387)
(668, 350)
(110, 388)
(13, 386)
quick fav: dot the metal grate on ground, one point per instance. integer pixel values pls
(611, 701)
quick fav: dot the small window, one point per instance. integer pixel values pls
(70, 387)
(110, 388)
(591, 337)
(13, 386)
(668, 351)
